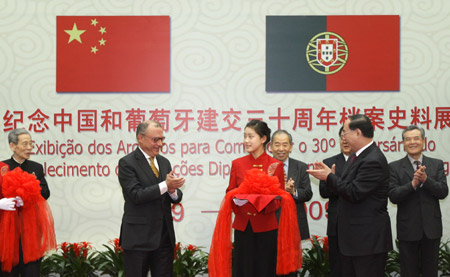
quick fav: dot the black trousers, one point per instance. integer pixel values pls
(255, 254)
(416, 255)
(31, 269)
(364, 266)
(335, 264)
(159, 261)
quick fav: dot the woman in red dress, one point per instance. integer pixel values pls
(255, 235)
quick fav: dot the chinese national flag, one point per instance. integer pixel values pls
(368, 47)
(113, 54)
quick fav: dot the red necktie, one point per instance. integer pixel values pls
(353, 159)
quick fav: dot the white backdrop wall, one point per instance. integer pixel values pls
(217, 65)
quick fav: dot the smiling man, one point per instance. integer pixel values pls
(297, 181)
(149, 188)
(416, 185)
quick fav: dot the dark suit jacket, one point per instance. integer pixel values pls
(145, 209)
(418, 211)
(297, 171)
(325, 192)
(34, 168)
(364, 227)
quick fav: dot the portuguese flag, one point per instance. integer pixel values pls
(332, 53)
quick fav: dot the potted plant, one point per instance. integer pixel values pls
(110, 261)
(70, 259)
(189, 260)
(316, 260)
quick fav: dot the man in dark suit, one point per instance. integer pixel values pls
(22, 146)
(339, 161)
(297, 181)
(149, 188)
(363, 225)
(416, 185)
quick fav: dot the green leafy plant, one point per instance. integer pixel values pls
(393, 263)
(444, 258)
(189, 261)
(316, 260)
(110, 261)
(70, 259)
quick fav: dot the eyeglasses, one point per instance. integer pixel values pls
(346, 132)
(156, 139)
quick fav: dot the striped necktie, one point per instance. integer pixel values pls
(154, 169)
(285, 175)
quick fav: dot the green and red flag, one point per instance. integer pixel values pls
(113, 54)
(333, 53)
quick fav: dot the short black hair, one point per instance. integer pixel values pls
(362, 122)
(341, 130)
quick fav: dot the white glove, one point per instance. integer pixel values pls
(8, 204)
(19, 201)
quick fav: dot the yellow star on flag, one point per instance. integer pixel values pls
(102, 41)
(94, 21)
(75, 34)
(102, 30)
(94, 49)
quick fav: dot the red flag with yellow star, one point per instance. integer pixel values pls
(113, 54)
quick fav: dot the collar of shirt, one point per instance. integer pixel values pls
(286, 166)
(411, 160)
(345, 156)
(147, 157)
(19, 163)
(363, 148)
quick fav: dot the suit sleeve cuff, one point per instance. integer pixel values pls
(163, 189)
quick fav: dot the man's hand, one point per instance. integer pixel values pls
(173, 182)
(289, 186)
(420, 174)
(8, 204)
(320, 171)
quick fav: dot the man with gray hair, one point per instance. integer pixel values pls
(149, 188)
(21, 145)
(416, 185)
(297, 181)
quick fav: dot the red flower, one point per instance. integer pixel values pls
(77, 248)
(325, 244)
(84, 247)
(177, 248)
(192, 248)
(314, 236)
(116, 243)
(65, 248)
